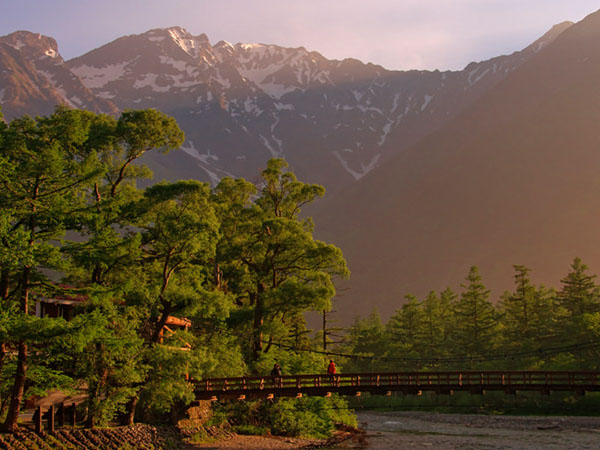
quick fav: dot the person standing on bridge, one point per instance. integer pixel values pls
(276, 375)
(331, 367)
(331, 371)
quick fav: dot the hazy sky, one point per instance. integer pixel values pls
(398, 34)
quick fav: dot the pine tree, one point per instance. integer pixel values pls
(579, 294)
(434, 340)
(474, 330)
(405, 331)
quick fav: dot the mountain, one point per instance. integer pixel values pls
(513, 179)
(239, 105)
(34, 78)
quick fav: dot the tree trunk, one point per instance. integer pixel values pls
(10, 424)
(259, 312)
(130, 417)
(4, 282)
(156, 336)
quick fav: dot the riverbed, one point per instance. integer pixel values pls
(421, 430)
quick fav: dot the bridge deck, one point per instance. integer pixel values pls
(476, 382)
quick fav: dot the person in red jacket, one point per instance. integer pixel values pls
(331, 367)
(331, 371)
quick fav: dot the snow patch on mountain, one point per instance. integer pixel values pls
(396, 102)
(427, 99)
(364, 168)
(477, 78)
(250, 106)
(386, 130)
(18, 44)
(193, 152)
(98, 77)
(107, 95)
(75, 100)
(284, 107)
(47, 75)
(181, 66)
(149, 80)
(183, 39)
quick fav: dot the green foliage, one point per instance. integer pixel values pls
(474, 319)
(105, 353)
(186, 282)
(365, 338)
(307, 417)
(531, 328)
(268, 256)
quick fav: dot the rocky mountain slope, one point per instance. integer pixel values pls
(513, 179)
(334, 121)
(34, 78)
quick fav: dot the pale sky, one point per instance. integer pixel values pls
(397, 34)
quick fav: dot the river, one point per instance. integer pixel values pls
(421, 430)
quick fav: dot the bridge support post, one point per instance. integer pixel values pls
(37, 420)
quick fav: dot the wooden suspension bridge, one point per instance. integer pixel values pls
(409, 383)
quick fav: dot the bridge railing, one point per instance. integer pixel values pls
(455, 379)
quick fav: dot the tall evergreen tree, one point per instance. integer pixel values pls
(405, 331)
(528, 317)
(435, 324)
(475, 319)
(366, 337)
(579, 293)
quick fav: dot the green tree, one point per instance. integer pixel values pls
(434, 342)
(105, 353)
(51, 170)
(475, 319)
(281, 270)
(528, 317)
(106, 252)
(179, 232)
(405, 331)
(365, 338)
(577, 325)
(579, 293)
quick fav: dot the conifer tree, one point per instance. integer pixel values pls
(475, 319)
(527, 318)
(579, 293)
(366, 337)
(405, 330)
(434, 342)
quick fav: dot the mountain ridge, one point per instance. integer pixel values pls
(240, 104)
(509, 180)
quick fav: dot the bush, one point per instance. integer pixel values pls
(307, 416)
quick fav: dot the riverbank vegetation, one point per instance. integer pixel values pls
(530, 328)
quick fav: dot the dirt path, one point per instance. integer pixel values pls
(412, 430)
(257, 443)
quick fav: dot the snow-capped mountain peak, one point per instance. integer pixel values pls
(243, 103)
